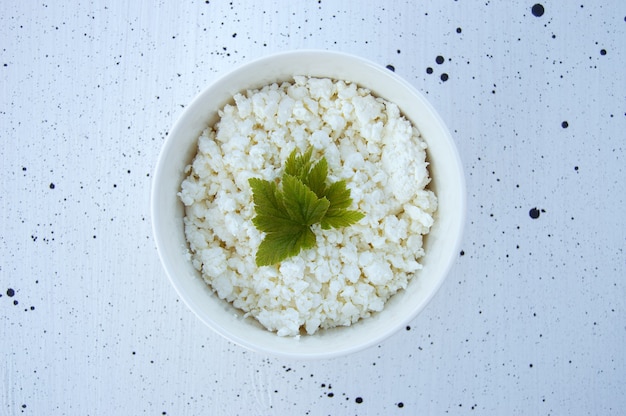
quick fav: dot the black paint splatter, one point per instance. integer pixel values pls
(439, 59)
(444, 77)
(458, 30)
(538, 10)
(429, 70)
(565, 124)
(400, 405)
(359, 400)
(52, 185)
(534, 213)
(10, 292)
(602, 52)
(391, 68)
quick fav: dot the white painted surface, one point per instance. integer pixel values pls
(532, 318)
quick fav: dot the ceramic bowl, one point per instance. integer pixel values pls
(441, 245)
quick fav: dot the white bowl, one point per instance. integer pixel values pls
(441, 245)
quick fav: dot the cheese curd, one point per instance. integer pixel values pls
(351, 272)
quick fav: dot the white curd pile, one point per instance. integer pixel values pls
(352, 271)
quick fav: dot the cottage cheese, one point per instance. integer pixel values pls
(351, 272)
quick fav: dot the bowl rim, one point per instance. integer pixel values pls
(170, 142)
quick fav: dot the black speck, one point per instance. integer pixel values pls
(23, 169)
(534, 213)
(576, 168)
(462, 253)
(359, 400)
(429, 70)
(444, 77)
(391, 68)
(408, 328)
(398, 51)
(602, 52)
(10, 292)
(331, 394)
(538, 10)
(23, 406)
(439, 59)
(15, 302)
(400, 405)
(458, 30)
(565, 124)
(234, 35)
(52, 185)
(531, 366)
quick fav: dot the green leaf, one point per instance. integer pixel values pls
(279, 246)
(286, 216)
(273, 224)
(267, 199)
(341, 218)
(299, 166)
(302, 205)
(339, 195)
(316, 179)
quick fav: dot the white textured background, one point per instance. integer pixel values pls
(532, 319)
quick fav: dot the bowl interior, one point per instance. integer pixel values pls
(441, 245)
